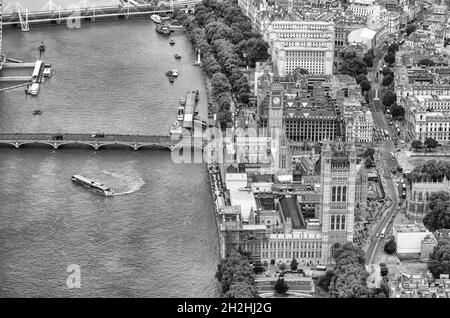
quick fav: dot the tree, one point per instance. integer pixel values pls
(385, 289)
(258, 269)
(390, 58)
(294, 265)
(350, 283)
(300, 70)
(325, 280)
(410, 28)
(416, 144)
(282, 267)
(389, 98)
(369, 163)
(393, 48)
(241, 290)
(220, 83)
(387, 80)
(385, 71)
(359, 78)
(390, 246)
(368, 59)
(438, 215)
(431, 143)
(384, 270)
(426, 62)
(232, 270)
(281, 287)
(349, 278)
(365, 85)
(353, 65)
(397, 111)
(439, 262)
(369, 152)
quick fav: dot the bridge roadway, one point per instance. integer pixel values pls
(95, 12)
(133, 141)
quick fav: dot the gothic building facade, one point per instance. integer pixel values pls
(338, 184)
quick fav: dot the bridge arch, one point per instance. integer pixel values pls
(153, 146)
(119, 144)
(71, 143)
(4, 143)
(34, 143)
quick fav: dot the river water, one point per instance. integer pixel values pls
(157, 237)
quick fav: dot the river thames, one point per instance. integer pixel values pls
(157, 237)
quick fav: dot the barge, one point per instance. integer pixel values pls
(93, 185)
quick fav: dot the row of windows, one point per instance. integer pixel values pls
(304, 35)
(303, 54)
(290, 255)
(339, 194)
(337, 222)
(293, 244)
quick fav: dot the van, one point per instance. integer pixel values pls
(58, 137)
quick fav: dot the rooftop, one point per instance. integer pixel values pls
(290, 209)
(413, 227)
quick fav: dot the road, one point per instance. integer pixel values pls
(384, 150)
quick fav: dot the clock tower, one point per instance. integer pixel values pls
(279, 144)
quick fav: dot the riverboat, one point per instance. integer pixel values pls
(155, 18)
(162, 29)
(93, 185)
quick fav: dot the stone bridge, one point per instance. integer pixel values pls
(56, 140)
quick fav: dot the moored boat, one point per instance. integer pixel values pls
(47, 71)
(163, 29)
(93, 185)
(174, 72)
(171, 78)
(172, 41)
(155, 18)
(177, 55)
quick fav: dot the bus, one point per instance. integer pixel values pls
(36, 71)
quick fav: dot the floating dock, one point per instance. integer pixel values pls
(189, 110)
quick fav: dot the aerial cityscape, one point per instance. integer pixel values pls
(225, 149)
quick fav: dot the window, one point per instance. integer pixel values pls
(343, 222)
(333, 194)
(344, 194)
(332, 222)
(338, 222)
(338, 194)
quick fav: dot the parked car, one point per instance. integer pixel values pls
(95, 134)
(58, 137)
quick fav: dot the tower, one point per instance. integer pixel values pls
(278, 140)
(338, 184)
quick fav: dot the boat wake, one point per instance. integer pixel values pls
(132, 184)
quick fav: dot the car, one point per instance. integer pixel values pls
(58, 137)
(100, 135)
